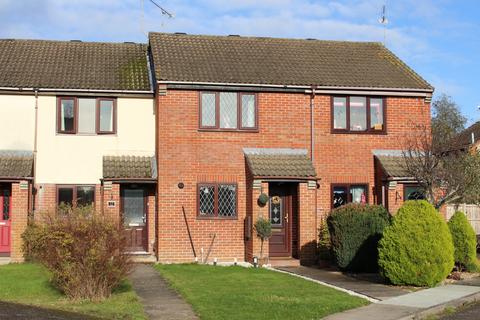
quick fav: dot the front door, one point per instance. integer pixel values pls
(280, 211)
(5, 229)
(135, 219)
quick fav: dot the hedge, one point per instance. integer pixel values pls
(417, 248)
(355, 230)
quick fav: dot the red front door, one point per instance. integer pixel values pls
(280, 212)
(135, 218)
(5, 229)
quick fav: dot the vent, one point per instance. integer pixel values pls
(75, 40)
(180, 33)
(234, 35)
(309, 39)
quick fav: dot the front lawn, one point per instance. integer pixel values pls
(248, 293)
(29, 284)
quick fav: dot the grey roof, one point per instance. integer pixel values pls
(15, 164)
(284, 163)
(73, 65)
(129, 167)
(274, 61)
(393, 166)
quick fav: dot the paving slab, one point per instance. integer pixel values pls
(159, 300)
(432, 297)
(378, 291)
(374, 312)
(5, 260)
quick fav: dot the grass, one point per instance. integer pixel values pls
(248, 293)
(29, 284)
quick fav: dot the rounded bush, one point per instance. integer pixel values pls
(464, 242)
(355, 230)
(416, 249)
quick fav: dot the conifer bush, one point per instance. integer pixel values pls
(416, 249)
(464, 242)
(355, 230)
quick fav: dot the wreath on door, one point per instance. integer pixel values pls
(275, 200)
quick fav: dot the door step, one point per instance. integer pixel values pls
(5, 260)
(284, 262)
(143, 258)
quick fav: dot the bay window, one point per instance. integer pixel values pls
(357, 114)
(228, 111)
(86, 115)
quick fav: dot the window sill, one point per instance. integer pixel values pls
(217, 218)
(85, 134)
(337, 131)
(227, 130)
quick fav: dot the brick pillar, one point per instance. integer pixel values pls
(307, 222)
(18, 218)
(111, 195)
(256, 211)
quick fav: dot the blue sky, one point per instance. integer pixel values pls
(440, 39)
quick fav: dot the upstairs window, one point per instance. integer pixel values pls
(228, 111)
(358, 114)
(217, 200)
(86, 115)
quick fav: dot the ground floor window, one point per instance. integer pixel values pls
(349, 193)
(75, 195)
(413, 192)
(217, 200)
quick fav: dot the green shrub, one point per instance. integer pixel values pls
(417, 248)
(355, 230)
(82, 249)
(464, 242)
(324, 242)
(263, 227)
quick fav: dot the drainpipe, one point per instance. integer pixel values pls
(35, 143)
(312, 123)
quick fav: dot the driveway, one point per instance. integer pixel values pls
(15, 311)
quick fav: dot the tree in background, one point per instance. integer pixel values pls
(446, 173)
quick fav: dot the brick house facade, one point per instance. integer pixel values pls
(291, 117)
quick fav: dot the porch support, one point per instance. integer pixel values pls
(253, 244)
(19, 218)
(307, 223)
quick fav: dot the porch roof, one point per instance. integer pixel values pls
(393, 166)
(279, 163)
(129, 167)
(15, 164)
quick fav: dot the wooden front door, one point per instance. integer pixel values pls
(135, 218)
(280, 211)
(5, 228)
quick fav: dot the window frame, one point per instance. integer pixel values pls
(215, 215)
(74, 190)
(410, 185)
(216, 127)
(76, 115)
(348, 186)
(369, 129)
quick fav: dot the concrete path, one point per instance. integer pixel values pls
(159, 300)
(411, 305)
(5, 260)
(375, 290)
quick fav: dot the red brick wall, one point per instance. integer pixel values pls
(188, 155)
(19, 218)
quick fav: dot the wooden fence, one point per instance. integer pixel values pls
(471, 210)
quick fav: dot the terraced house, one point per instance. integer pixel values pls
(183, 136)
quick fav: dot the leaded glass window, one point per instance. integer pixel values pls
(217, 200)
(208, 118)
(414, 193)
(227, 200)
(228, 110)
(207, 200)
(6, 205)
(276, 213)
